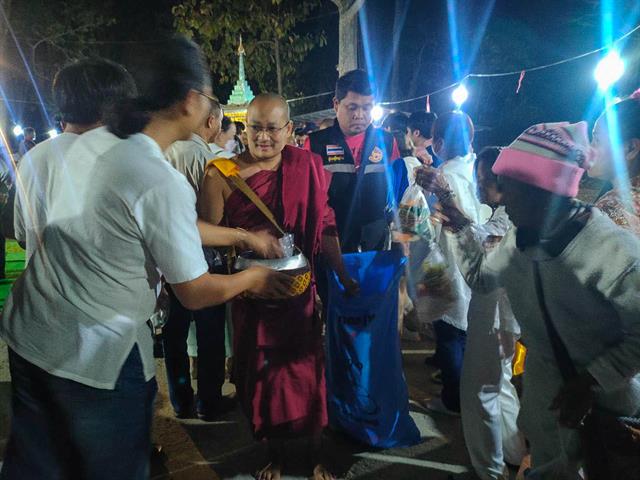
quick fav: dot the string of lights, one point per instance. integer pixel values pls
(609, 70)
(520, 72)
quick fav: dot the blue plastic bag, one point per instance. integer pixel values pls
(366, 389)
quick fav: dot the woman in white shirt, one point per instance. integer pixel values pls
(80, 348)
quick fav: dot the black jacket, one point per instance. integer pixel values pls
(358, 196)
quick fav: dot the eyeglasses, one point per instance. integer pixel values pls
(271, 131)
(209, 97)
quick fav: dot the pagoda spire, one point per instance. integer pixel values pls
(241, 94)
(241, 55)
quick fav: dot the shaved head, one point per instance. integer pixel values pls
(268, 126)
(269, 101)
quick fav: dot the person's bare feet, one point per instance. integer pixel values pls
(320, 472)
(271, 471)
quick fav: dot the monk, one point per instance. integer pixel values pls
(279, 365)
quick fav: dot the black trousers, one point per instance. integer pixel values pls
(210, 329)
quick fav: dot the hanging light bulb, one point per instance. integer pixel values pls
(17, 130)
(377, 112)
(609, 70)
(460, 95)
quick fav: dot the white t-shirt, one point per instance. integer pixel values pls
(75, 178)
(85, 297)
(36, 188)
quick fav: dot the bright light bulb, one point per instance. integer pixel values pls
(377, 112)
(609, 70)
(17, 130)
(52, 133)
(460, 95)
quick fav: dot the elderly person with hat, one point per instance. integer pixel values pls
(572, 277)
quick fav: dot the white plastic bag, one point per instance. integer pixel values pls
(434, 288)
(413, 219)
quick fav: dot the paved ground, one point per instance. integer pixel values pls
(195, 450)
(226, 450)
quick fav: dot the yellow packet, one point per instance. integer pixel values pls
(519, 358)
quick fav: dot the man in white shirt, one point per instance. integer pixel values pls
(28, 142)
(81, 91)
(190, 157)
(452, 137)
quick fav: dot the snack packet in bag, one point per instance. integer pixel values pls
(435, 289)
(413, 215)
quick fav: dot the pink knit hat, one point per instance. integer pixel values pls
(550, 156)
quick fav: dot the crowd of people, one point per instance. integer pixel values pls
(151, 191)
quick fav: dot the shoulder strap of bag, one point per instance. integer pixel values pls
(565, 364)
(241, 185)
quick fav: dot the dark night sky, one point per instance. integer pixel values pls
(493, 35)
(514, 35)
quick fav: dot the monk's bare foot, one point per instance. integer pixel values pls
(320, 472)
(272, 471)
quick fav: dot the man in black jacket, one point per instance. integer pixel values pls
(358, 157)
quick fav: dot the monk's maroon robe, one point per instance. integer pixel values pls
(278, 353)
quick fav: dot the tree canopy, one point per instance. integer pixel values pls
(56, 32)
(274, 45)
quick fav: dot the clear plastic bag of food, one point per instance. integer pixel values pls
(413, 219)
(434, 289)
